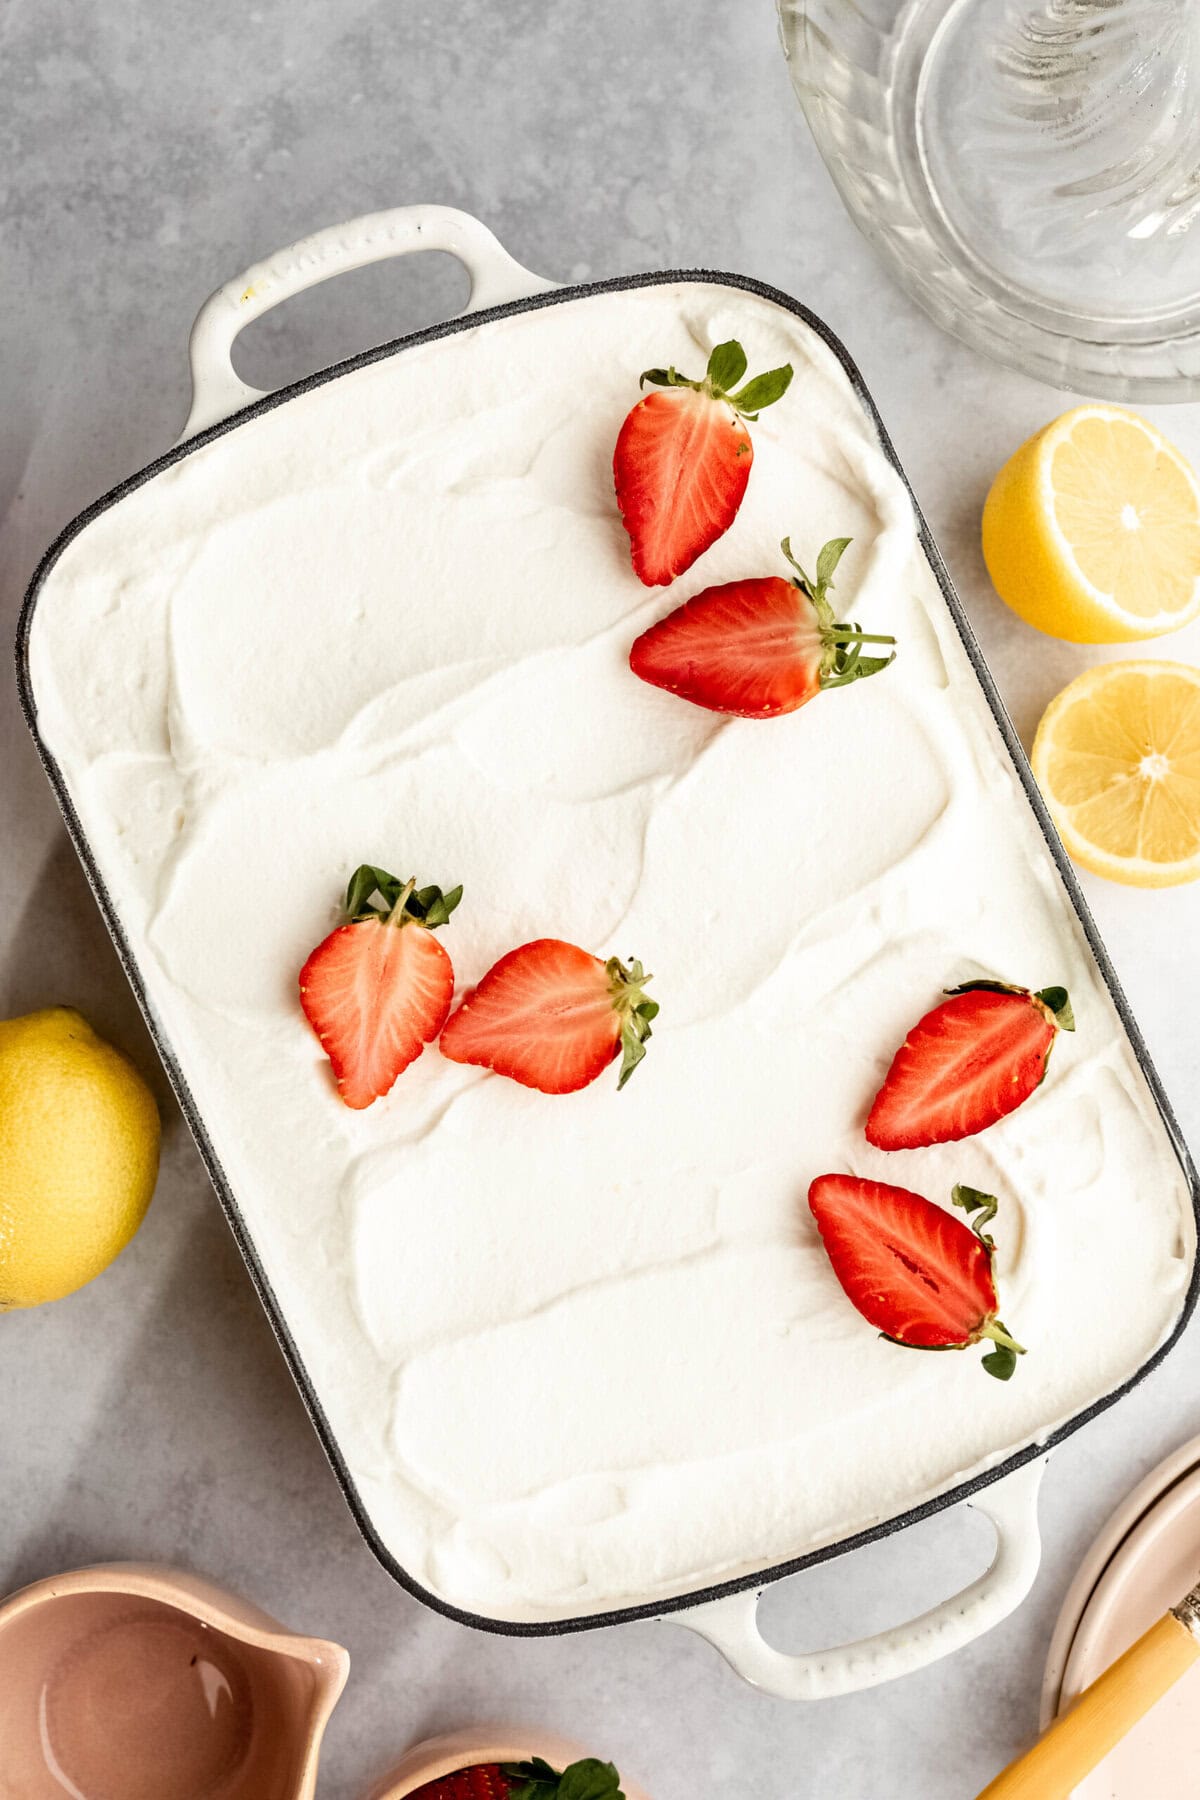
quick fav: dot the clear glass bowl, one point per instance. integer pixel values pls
(1029, 169)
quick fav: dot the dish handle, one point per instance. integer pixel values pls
(217, 388)
(731, 1623)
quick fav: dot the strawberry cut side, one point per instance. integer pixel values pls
(681, 467)
(922, 1277)
(379, 988)
(683, 458)
(553, 1017)
(968, 1063)
(751, 648)
(757, 648)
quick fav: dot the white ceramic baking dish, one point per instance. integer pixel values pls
(724, 1614)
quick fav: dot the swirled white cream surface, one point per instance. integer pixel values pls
(584, 1352)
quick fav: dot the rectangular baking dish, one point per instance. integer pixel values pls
(724, 1613)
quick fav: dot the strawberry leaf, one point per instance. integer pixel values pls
(1001, 1362)
(828, 560)
(726, 366)
(764, 390)
(972, 1201)
(590, 1780)
(365, 883)
(802, 581)
(842, 659)
(636, 1012)
(1059, 1002)
(436, 907)
(537, 1776)
(374, 894)
(634, 1033)
(870, 665)
(586, 1780)
(847, 662)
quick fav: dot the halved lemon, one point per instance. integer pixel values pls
(1091, 530)
(1117, 756)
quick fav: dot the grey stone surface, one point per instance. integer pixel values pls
(146, 153)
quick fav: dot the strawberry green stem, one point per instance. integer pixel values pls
(995, 1330)
(847, 634)
(396, 916)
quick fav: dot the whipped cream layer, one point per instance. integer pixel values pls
(587, 1351)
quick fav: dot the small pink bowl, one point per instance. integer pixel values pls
(482, 1744)
(145, 1683)
(1144, 1559)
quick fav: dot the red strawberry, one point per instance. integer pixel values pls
(378, 989)
(683, 459)
(485, 1782)
(757, 648)
(913, 1270)
(535, 1780)
(967, 1063)
(553, 1017)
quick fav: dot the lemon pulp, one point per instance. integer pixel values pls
(1117, 756)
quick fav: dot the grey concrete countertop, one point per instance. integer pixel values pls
(150, 152)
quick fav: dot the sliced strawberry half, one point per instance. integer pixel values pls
(922, 1277)
(683, 459)
(552, 1016)
(379, 988)
(758, 648)
(533, 1780)
(975, 1058)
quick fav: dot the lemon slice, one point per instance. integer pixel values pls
(1117, 756)
(1091, 530)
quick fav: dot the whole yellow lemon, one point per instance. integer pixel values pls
(79, 1135)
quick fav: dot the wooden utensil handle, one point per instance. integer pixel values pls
(1101, 1716)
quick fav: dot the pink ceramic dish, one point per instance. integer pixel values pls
(152, 1684)
(483, 1744)
(1146, 1557)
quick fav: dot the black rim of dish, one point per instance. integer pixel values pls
(757, 1578)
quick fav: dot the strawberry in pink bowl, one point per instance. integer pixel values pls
(533, 1779)
(503, 1763)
